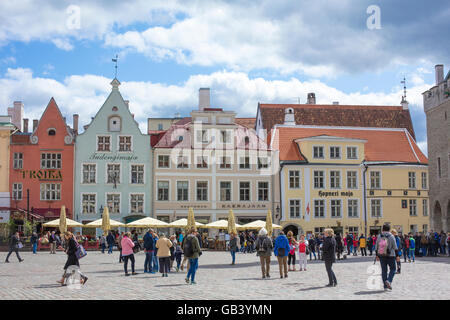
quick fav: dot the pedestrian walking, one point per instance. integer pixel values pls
(399, 248)
(302, 251)
(264, 246)
(362, 245)
(281, 251)
(318, 244)
(34, 242)
(412, 248)
(349, 240)
(178, 253)
(387, 253)
(155, 260)
(103, 242)
(72, 259)
(443, 241)
(339, 246)
(405, 245)
(370, 245)
(119, 246)
(292, 249)
(192, 251)
(127, 253)
(163, 244)
(111, 241)
(14, 245)
(172, 251)
(233, 244)
(148, 249)
(423, 244)
(312, 248)
(355, 244)
(52, 241)
(329, 256)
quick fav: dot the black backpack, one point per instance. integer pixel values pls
(188, 250)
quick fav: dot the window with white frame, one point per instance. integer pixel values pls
(244, 191)
(202, 136)
(225, 136)
(413, 207)
(294, 179)
(137, 203)
(352, 182)
(425, 180)
(124, 143)
(412, 180)
(202, 190)
(50, 191)
(163, 190)
(182, 162)
(352, 207)
(353, 230)
(17, 191)
(425, 207)
(113, 202)
(18, 160)
(318, 152)
(294, 209)
(163, 161)
(375, 208)
(182, 190)
(89, 173)
(335, 152)
(225, 162)
(225, 190)
(319, 208)
(244, 162)
(263, 191)
(319, 179)
(375, 180)
(113, 172)
(335, 206)
(88, 203)
(319, 230)
(263, 163)
(202, 162)
(352, 153)
(103, 143)
(137, 174)
(335, 179)
(50, 160)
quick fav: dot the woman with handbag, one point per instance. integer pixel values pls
(163, 244)
(72, 259)
(302, 252)
(127, 253)
(292, 246)
(14, 245)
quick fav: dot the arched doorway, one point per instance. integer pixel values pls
(447, 220)
(437, 217)
(295, 228)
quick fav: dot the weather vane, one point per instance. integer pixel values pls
(115, 60)
(404, 88)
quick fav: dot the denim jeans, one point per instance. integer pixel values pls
(424, 251)
(125, 264)
(385, 262)
(103, 248)
(192, 268)
(406, 253)
(110, 248)
(412, 255)
(443, 249)
(155, 262)
(35, 245)
(330, 273)
(148, 261)
(178, 259)
(312, 253)
(233, 255)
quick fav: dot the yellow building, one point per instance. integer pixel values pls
(5, 132)
(351, 179)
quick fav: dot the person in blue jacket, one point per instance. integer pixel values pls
(149, 248)
(412, 248)
(281, 251)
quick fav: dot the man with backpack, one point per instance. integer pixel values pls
(281, 251)
(399, 248)
(149, 248)
(111, 241)
(387, 253)
(264, 247)
(192, 251)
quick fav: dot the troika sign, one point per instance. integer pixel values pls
(42, 175)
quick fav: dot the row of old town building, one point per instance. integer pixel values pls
(348, 167)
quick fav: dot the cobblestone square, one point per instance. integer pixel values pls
(35, 278)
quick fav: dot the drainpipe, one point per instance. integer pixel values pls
(364, 197)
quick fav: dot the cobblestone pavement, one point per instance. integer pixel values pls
(35, 278)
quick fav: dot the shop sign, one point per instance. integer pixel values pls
(243, 206)
(336, 194)
(42, 175)
(113, 157)
(4, 216)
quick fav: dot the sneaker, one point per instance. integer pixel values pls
(134, 273)
(335, 284)
(268, 276)
(329, 285)
(178, 269)
(6, 261)
(127, 274)
(21, 260)
(281, 277)
(152, 272)
(187, 280)
(387, 285)
(263, 277)
(285, 276)
(84, 280)
(193, 282)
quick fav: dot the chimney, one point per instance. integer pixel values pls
(16, 113)
(335, 103)
(75, 123)
(203, 98)
(311, 98)
(25, 125)
(35, 124)
(289, 118)
(64, 118)
(127, 103)
(439, 72)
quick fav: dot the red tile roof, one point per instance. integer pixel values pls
(338, 115)
(394, 145)
(246, 122)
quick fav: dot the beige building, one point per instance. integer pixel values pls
(212, 164)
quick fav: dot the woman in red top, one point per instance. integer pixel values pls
(292, 245)
(302, 245)
(355, 244)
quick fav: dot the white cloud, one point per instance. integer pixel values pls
(85, 94)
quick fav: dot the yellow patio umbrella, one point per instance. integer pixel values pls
(269, 226)
(190, 219)
(69, 223)
(62, 220)
(106, 225)
(99, 224)
(258, 224)
(182, 223)
(148, 222)
(231, 223)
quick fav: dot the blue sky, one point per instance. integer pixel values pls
(246, 52)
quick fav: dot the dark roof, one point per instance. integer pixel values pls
(339, 115)
(246, 122)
